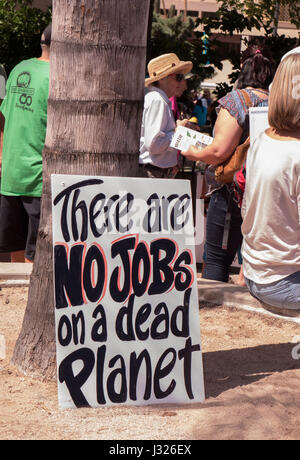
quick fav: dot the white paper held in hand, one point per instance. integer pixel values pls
(185, 137)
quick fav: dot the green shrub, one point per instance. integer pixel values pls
(21, 27)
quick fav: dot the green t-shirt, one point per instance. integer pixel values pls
(25, 112)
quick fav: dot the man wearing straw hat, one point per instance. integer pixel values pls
(166, 79)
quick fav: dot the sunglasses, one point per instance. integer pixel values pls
(179, 77)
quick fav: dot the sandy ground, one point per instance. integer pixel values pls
(251, 382)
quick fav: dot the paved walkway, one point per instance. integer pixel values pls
(14, 274)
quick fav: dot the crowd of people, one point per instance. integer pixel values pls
(267, 228)
(268, 225)
(265, 223)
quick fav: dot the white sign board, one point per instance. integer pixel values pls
(126, 300)
(258, 122)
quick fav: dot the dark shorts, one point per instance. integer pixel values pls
(154, 172)
(19, 223)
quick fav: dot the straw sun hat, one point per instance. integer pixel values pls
(165, 65)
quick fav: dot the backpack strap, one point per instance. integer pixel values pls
(247, 98)
(226, 230)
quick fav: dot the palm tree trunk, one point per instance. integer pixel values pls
(97, 70)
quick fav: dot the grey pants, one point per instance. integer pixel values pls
(284, 293)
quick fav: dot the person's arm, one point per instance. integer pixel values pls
(227, 137)
(2, 121)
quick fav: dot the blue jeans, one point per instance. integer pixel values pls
(218, 260)
(284, 293)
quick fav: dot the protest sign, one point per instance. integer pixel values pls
(125, 287)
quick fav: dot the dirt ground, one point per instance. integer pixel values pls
(251, 382)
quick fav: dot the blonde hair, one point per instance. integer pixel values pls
(284, 100)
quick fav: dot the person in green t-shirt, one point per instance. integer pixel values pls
(23, 122)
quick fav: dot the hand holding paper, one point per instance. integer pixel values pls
(185, 138)
(184, 122)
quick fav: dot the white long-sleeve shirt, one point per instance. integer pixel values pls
(271, 210)
(158, 127)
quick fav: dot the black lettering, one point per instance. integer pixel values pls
(75, 324)
(64, 338)
(68, 279)
(184, 310)
(163, 275)
(186, 355)
(165, 206)
(161, 319)
(161, 372)
(75, 382)
(107, 209)
(100, 374)
(141, 256)
(121, 248)
(135, 365)
(160, 215)
(114, 396)
(179, 209)
(120, 212)
(142, 316)
(94, 289)
(66, 193)
(71, 329)
(154, 210)
(81, 206)
(182, 285)
(97, 232)
(100, 324)
(125, 313)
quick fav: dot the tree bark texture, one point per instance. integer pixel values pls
(97, 71)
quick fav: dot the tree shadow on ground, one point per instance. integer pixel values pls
(227, 369)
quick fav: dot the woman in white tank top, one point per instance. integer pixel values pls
(271, 206)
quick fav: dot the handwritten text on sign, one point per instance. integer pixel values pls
(126, 304)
